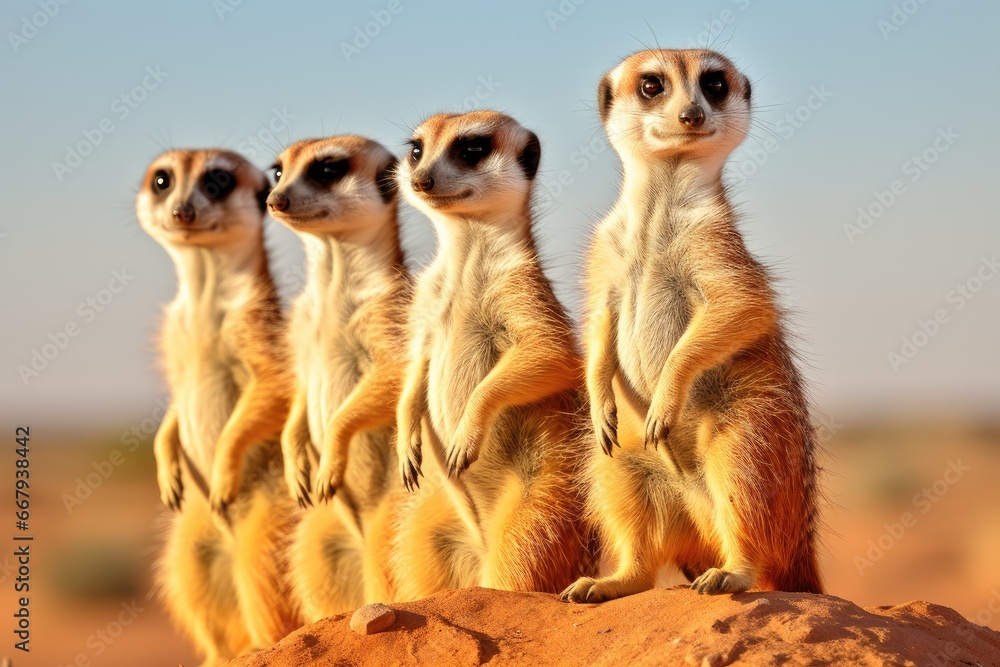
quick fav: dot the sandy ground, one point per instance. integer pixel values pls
(89, 563)
(659, 627)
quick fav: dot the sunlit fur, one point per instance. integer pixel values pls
(494, 385)
(692, 386)
(348, 336)
(222, 573)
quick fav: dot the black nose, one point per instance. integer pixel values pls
(277, 201)
(422, 183)
(693, 116)
(184, 213)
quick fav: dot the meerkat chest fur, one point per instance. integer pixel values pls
(331, 322)
(654, 238)
(205, 369)
(468, 330)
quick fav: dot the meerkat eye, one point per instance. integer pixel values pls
(714, 86)
(161, 181)
(326, 172)
(473, 150)
(650, 86)
(275, 170)
(218, 183)
(416, 151)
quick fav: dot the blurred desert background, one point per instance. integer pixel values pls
(868, 183)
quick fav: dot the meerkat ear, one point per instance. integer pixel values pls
(748, 89)
(530, 156)
(262, 198)
(604, 97)
(385, 180)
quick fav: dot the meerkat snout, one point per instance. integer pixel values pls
(692, 116)
(277, 201)
(184, 213)
(422, 182)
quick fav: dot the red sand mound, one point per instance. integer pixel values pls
(659, 627)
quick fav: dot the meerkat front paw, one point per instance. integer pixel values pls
(171, 487)
(717, 582)
(410, 457)
(660, 417)
(604, 415)
(464, 449)
(329, 478)
(223, 489)
(297, 475)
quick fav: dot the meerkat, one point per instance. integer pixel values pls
(222, 573)
(494, 381)
(683, 332)
(347, 333)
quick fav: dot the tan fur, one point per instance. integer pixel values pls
(494, 378)
(683, 330)
(222, 572)
(347, 333)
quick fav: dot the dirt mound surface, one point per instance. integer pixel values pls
(658, 627)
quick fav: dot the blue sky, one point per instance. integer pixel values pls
(844, 104)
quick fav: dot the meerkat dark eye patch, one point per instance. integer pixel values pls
(326, 172)
(385, 181)
(714, 86)
(218, 183)
(275, 171)
(472, 150)
(530, 156)
(161, 181)
(416, 151)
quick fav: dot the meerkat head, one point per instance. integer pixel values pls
(202, 198)
(471, 164)
(337, 184)
(674, 103)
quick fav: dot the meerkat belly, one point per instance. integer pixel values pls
(464, 352)
(205, 395)
(656, 307)
(330, 370)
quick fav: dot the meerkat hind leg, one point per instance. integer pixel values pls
(731, 522)
(257, 571)
(644, 523)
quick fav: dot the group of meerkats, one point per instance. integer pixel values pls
(396, 435)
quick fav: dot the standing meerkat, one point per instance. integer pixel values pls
(494, 383)
(348, 334)
(222, 572)
(684, 332)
